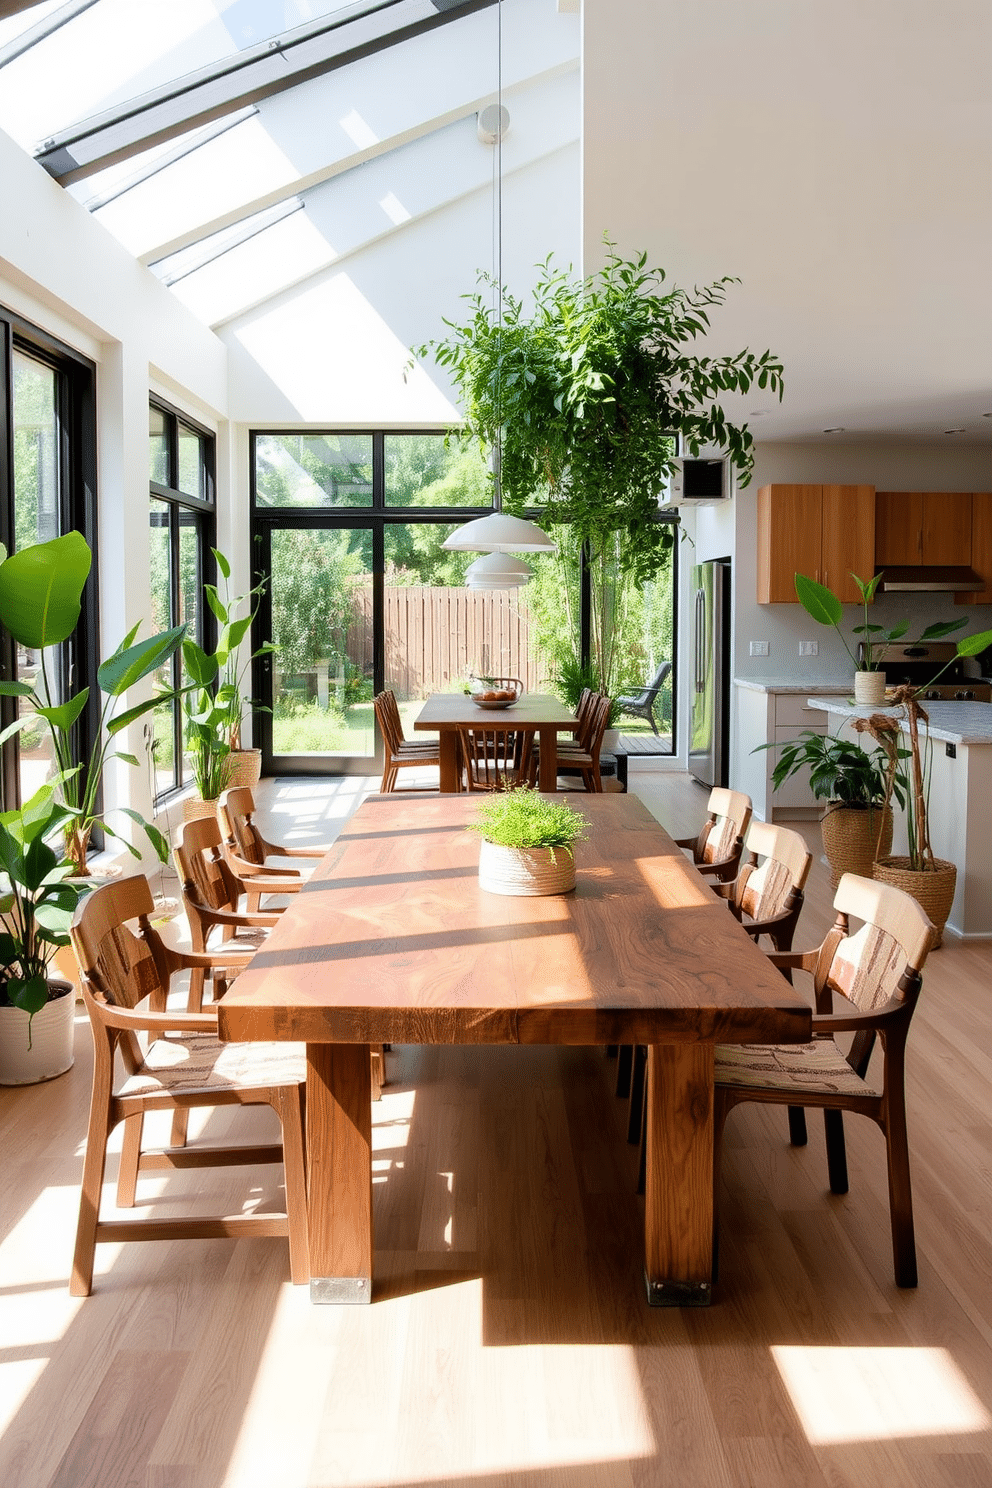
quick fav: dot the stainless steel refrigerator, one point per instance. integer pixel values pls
(710, 652)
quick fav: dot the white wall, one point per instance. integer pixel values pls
(64, 273)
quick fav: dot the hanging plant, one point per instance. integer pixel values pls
(585, 393)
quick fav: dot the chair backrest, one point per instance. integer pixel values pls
(873, 965)
(657, 681)
(599, 717)
(729, 818)
(120, 968)
(388, 717)
(207, 882)
(235, 810)
(764, 889)
(503, 684)
(494, 759)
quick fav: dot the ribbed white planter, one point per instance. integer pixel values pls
(50, 1053)
(525, 870)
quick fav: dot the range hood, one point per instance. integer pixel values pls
(930, 579)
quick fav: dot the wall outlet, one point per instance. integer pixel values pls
(759, 648)
(809, 648)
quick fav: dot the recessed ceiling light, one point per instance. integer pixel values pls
(955, 431)
(837, 429)
(987, 415)
(762, 413)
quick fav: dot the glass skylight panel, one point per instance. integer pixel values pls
(221, 176)
(270, 261)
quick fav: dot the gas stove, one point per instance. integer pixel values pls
(921, 665)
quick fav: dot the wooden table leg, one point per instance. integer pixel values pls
(450, 780)
(339, 1171)
(678, 1201)
(548, 776)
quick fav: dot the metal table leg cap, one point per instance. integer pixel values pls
(678, 1293)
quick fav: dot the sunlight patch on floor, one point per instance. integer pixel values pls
(875, 1394)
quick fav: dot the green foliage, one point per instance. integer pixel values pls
(839, 770)
(36, 902)
(40, 601)
(584, 396)
(232, 663)
(523, 818)
(313, 576)
(823, 606)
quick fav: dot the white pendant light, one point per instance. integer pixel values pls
(499, 533)
(497, 571)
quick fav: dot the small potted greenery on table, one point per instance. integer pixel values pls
(527, 842)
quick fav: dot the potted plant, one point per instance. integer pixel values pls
(527, 843)
(581, 400)
(40, 601)
(929, 879)
(823, 606)
(856, 825)
(37, 903)
(214, 702)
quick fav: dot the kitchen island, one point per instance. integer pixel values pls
(960, 799)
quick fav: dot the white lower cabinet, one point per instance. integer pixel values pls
(769, 716)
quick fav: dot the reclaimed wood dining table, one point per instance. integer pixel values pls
(444, 712)
(393, 941)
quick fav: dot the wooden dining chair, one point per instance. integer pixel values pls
(582, 754)
(717, 850)
(865, 983)
(495, 759)
(401, 753)
(768, 893)
(212, 897)
(126, 971)
(249, 854)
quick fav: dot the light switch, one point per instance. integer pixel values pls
(809, 648)
(759, 648)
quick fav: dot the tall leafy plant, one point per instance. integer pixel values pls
(584, 392)
(41, 590)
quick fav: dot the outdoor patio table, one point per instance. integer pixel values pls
(393, 941)
(444, 711)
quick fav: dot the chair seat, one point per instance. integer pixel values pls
(818, 1067)
(186, 1063)
(248, 938)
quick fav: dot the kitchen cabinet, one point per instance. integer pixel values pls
(825, 532)
(931, 527)
(768, 713)
(981, 548)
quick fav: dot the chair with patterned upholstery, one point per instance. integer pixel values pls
(874, 976)
(717, 849)
(767, 894)
(126, 970)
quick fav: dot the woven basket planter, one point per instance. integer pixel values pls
(195, 807)
(525, 870)
(933, 892)
(850, 835)
(244, 768)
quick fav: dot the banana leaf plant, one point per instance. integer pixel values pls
(41, 590)
(231, 664)
(36, 901)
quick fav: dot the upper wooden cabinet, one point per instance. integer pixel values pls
(825, 532)
(981, 548)
(932, 527)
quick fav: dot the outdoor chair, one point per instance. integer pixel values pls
(717, 850)
(875, 976)
(401, 753)
(125, 978)
(641, 704)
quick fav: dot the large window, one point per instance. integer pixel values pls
(349, 529)
(181, 518)
(47, 487)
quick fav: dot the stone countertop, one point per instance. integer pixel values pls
(826, 686)
(955, 723)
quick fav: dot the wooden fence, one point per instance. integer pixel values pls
(435, 637)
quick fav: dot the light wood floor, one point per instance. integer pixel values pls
(508, 1342)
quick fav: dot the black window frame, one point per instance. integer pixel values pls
(265, 519)
(204, 510)
(76, 414)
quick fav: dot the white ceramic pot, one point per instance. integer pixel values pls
(869, 688)
(50, 1052)
(611, 741)
(525, 870)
